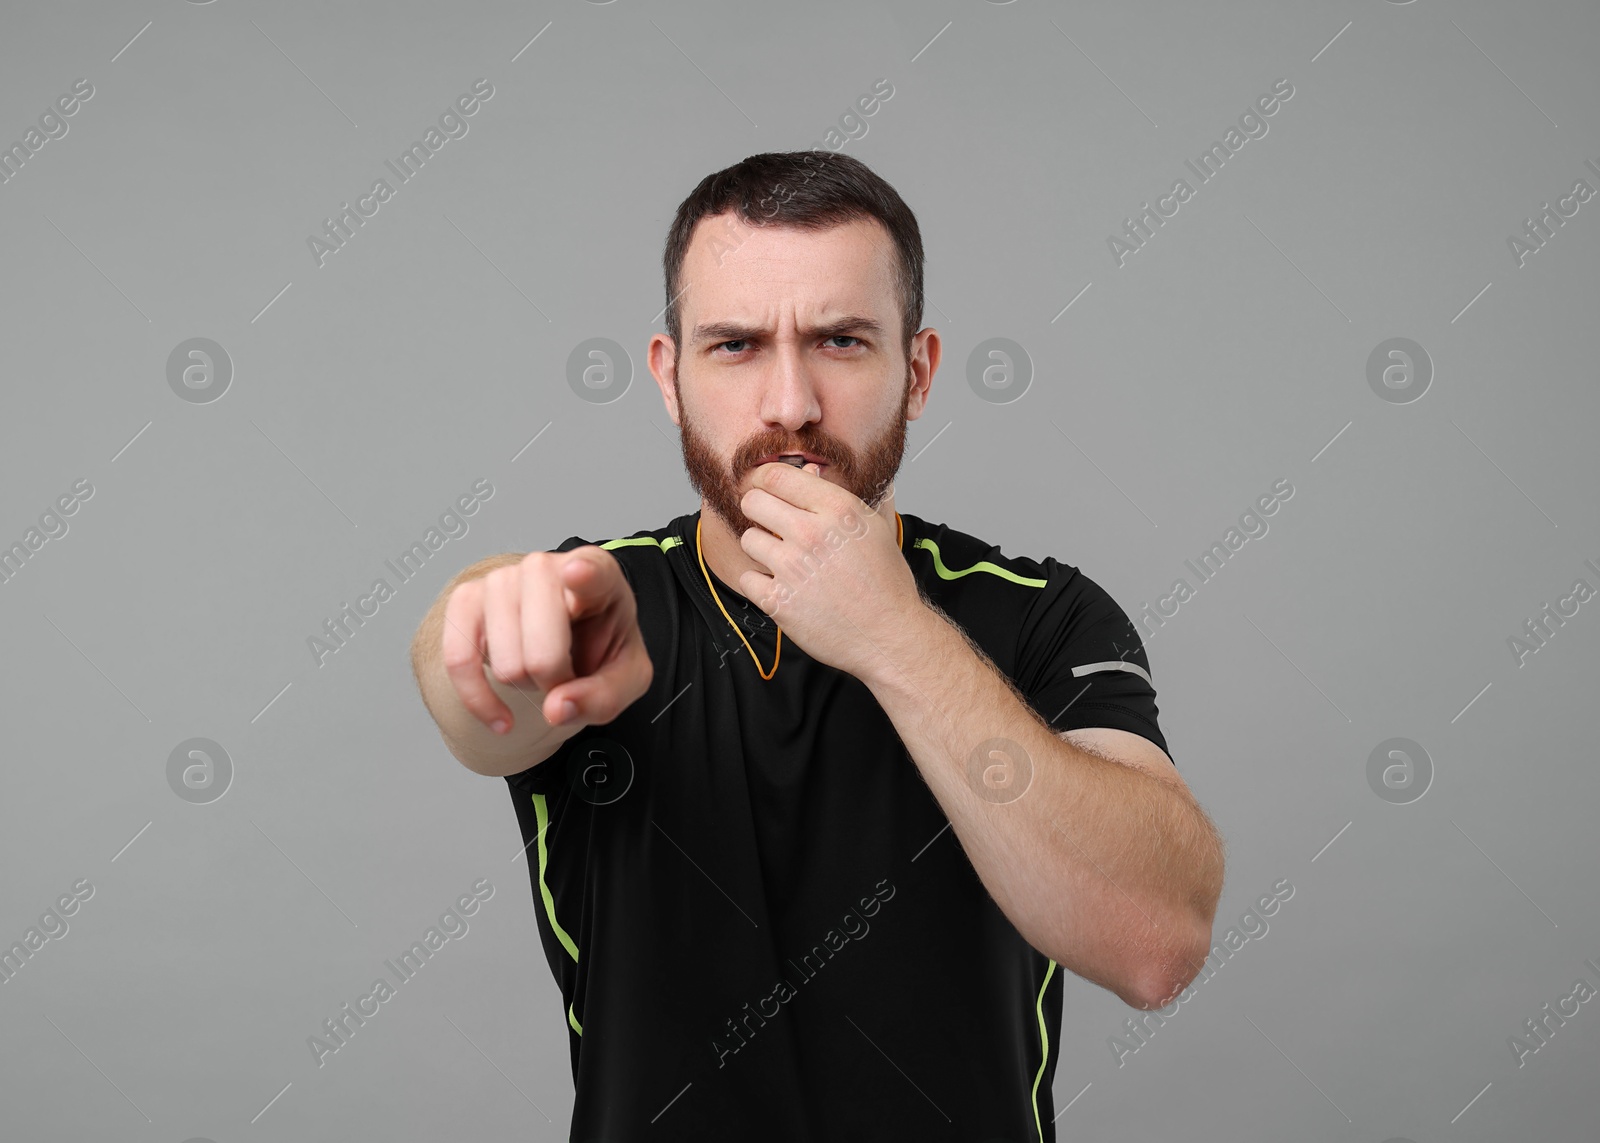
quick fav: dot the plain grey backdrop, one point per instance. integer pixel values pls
(1344, 693)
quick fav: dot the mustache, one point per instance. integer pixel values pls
(829, 456)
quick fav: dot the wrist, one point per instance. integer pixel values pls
(922, 636)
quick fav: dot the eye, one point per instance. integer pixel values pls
(735, 341)
(845, 337)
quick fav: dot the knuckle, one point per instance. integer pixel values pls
(465, 601)
(498, 585)
(505, 672)
(541, 665)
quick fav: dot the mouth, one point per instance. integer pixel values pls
(797, 459)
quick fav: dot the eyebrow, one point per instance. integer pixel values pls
(721, 331)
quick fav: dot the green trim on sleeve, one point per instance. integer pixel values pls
(981, 565)
(665, 545)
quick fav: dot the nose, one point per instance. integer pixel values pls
(789, 398)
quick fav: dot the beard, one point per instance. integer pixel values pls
(868, 474)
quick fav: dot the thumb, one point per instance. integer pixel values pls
(563, 705)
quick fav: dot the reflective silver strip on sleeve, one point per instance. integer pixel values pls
(1114, 665)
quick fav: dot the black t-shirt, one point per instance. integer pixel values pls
(761, 923)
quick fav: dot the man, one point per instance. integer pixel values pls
(841, 792)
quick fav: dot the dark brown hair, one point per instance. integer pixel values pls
(809, 190)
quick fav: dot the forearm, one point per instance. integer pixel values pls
(1111, 872)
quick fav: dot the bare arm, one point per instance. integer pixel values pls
(1104, 863)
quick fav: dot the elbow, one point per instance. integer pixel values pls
(1168, 973)
(1171, 966)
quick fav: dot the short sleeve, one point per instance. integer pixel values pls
(578, 541)
(1080, 660)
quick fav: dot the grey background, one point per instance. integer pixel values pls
(373, 391)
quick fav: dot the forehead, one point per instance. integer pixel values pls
(739, 270)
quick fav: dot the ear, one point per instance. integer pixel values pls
(925, 353)
(662, 357)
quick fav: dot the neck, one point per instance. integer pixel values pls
(723, 553)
